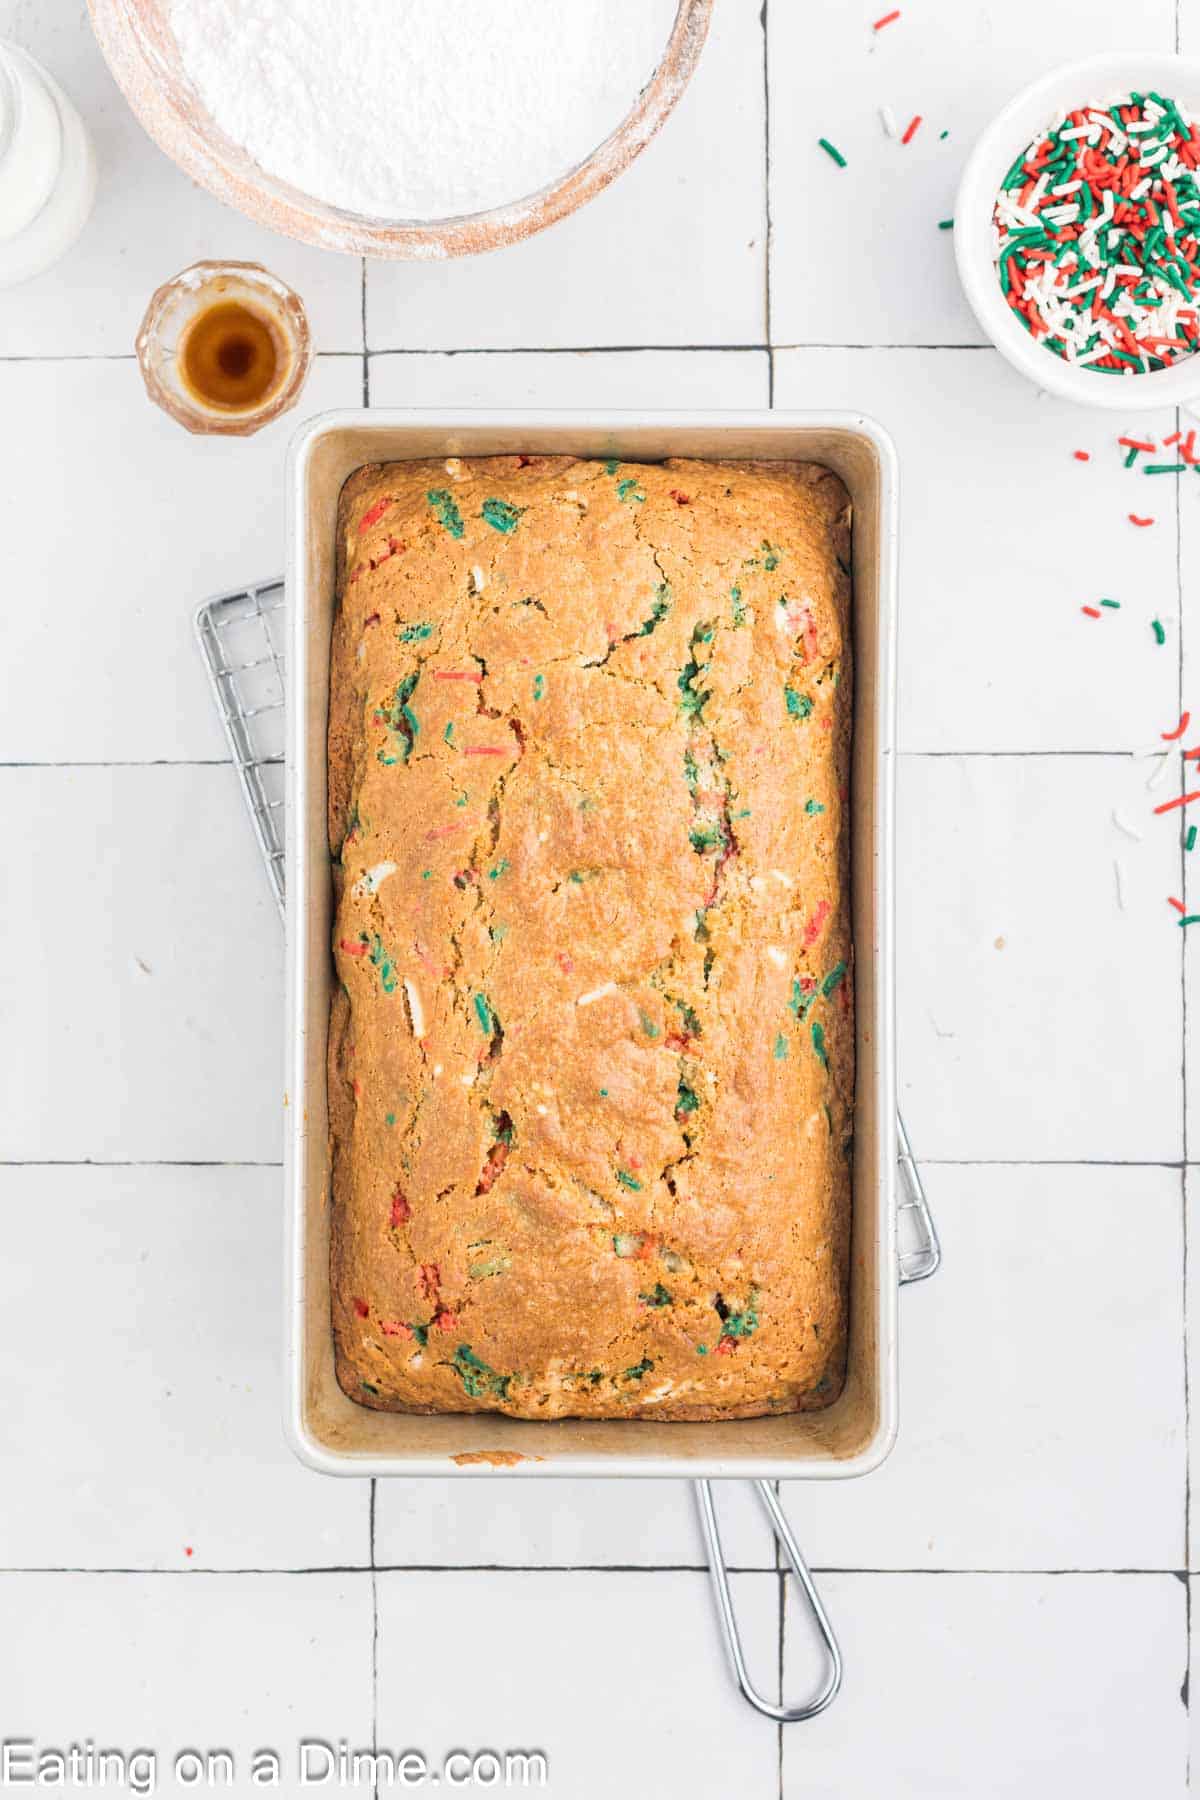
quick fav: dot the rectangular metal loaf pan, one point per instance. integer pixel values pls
(327, 1430)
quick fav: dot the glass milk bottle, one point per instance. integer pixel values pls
(47, 168)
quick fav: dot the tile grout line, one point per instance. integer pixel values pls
(746, 348)
(749, 348)
(192, 1573)
(134, 1162)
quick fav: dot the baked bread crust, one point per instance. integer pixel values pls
(591, 1056)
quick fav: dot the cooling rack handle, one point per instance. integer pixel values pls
(918, 1247)
(918, 1256)
(719, 1575)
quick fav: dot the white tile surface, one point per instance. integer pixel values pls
(642, 379)
(1188, 878)
(1194, 1725)
(236, 1662)
(1037, 1020)
(1004, 537)
(672, 253)
(1042, 1407)
(995, 1685)
(615, 1677)
(141, 1000)
(1191, 1179)
(151, 1437)
(857, 257)
(116, 525)
(648, 1524)
(1188, 889)
(149, 222)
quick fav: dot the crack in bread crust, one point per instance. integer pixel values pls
(591, 1055)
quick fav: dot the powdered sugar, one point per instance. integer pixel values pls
(420, 109)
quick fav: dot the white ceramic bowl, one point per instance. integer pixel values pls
(1097, 78)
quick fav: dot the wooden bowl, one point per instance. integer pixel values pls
(137, 43)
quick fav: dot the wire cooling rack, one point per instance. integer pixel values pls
(241, 638)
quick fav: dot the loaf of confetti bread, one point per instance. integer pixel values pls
(591, 1048)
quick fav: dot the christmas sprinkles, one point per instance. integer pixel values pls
(1096, 248)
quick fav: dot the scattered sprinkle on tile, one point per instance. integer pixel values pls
(1131, 831)
(1170, 737)
(1177, 904)
(948, 225)
(832, 150)
(911, 129)
(887, 19)
(888, 120)
(1119, 879)
(942, 135)
(1190, 919)
(1134, 520)
(1091, 611)
(1115, 604)
(1082, 455)
(1175, 468)
(1189, 842)
(1160, 769)
(1131, 443)
(1156, 626)
(1179, 800)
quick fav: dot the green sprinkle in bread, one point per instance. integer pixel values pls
(442, 502)
(501, 516)
(477, 1376)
